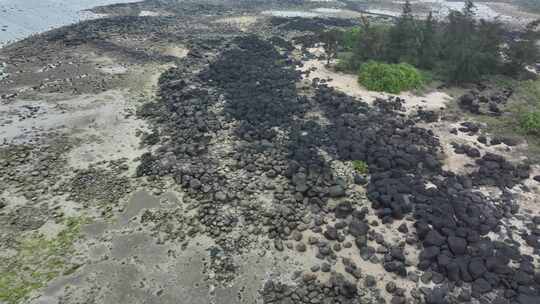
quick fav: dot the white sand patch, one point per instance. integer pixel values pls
(326, 10)
(383, 12)
(103, 123)
(318, 116)
(50, 230)
(457, 163)
(7, 253)
(291, 13)
(13, 200)
(242, 22)
(114, 69)
(108, 132)
(461, 163)
(149, 13)
(107, 65)
(348, 83)
(176, 51)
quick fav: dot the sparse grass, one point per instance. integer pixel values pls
(37, 261)
(360, 166)
(518, 119)
(523, 109)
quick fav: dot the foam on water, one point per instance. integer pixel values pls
(443, 7)
(291, 13)
(326, 10)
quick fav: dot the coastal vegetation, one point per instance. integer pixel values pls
(460, 49)
(392, 78)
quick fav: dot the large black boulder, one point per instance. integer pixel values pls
(477, 268)
(528, 299)
(343, 209)
(434, 238)
(481, 286)
(358, 227)
(457, 245)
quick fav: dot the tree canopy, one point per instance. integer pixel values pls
(462, 47)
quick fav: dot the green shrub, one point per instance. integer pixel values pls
(360, 166)
(530, 122)
(391, 78)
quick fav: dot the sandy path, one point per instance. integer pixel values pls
(347, 83)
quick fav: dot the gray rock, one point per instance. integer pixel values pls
(336, 191)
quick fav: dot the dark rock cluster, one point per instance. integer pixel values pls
(484, 101)
(470, 151)
(103, 186)
(495, 170)
(336, 290)
(247, 97)
(310, 24)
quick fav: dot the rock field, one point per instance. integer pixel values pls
(204, 154)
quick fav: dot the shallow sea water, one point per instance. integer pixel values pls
(22, 18)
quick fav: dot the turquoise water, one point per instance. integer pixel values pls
(21, 18)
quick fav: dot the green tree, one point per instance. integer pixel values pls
(522, 50)
(404, 37)
(350, 37)
(459, 45)
(428, 51)
(330, 41)
(371, 44)
(472, 49)
(488, 45)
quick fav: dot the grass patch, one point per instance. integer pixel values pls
(37, 261)
(391, 78)
(518, 119)
(523, 109)
(360, 166)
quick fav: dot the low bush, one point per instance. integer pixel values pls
(391, 78)
(360, 166)
(530, 123)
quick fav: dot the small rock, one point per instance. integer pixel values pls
(391, 287)
(370, 281)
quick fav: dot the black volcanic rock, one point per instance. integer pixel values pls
(434, 238)
(457, 245)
